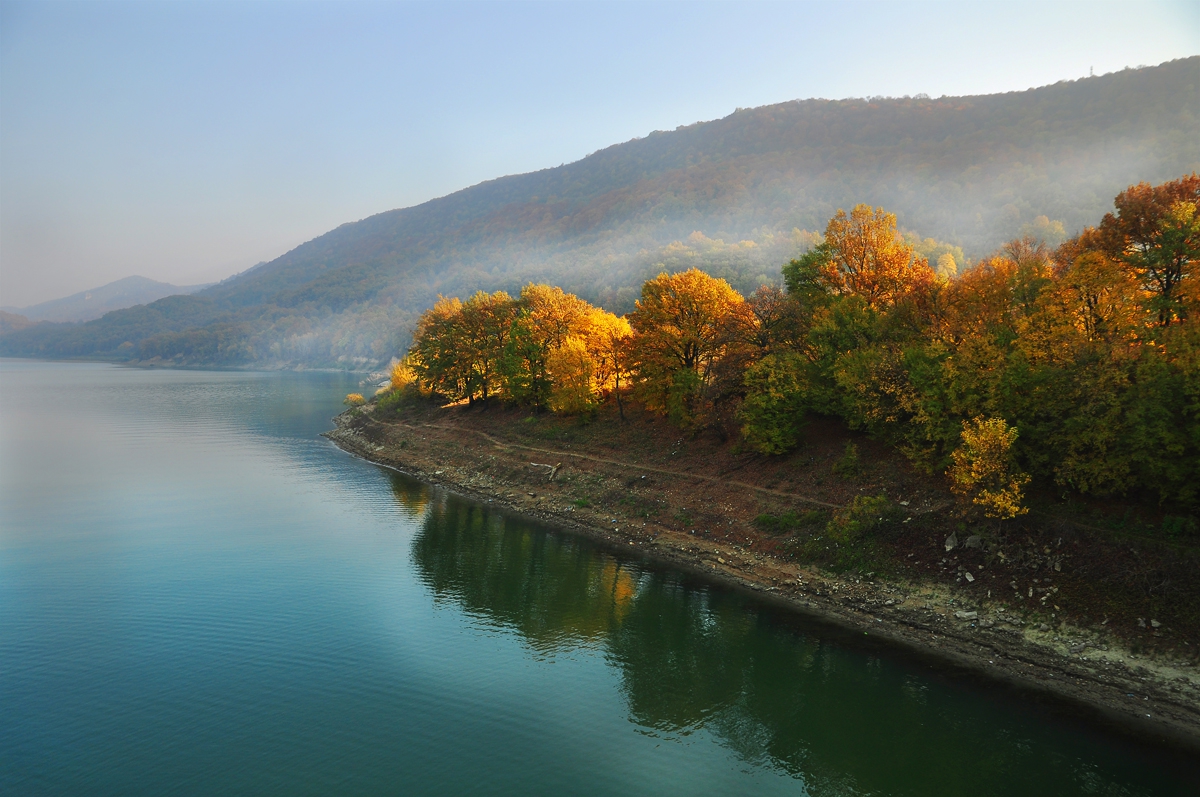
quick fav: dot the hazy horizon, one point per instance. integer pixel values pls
(187, 142)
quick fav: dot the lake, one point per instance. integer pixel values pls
(200, 595)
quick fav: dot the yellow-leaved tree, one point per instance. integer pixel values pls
(608, 338)
(983, 469)
(546, 317)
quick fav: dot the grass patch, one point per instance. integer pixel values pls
(790, 521)
(851, 538)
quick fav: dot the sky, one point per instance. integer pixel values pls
(186, 141)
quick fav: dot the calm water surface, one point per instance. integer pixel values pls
(198, 595)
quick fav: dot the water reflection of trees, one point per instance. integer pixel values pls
(693, 658)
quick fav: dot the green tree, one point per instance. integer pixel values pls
(772, 413)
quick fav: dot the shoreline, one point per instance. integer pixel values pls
(1149, 699)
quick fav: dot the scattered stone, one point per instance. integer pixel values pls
(966, 615)
(974, 541)
(951, 541)
(969, 576)
(1155, 624)
(1141, 622)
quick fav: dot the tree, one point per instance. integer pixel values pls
(437, 353)
(609, 339)
(772, 413)
(868, 258)
(983, 468)
(1156, 234)
(681, 329)
(486, 321)
(545, 317)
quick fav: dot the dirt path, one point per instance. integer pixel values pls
(631, 465)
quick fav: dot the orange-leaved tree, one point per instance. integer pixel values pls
(681, 328)
(1156, 235)
(868, 258)
(983, 469)
(609, 338)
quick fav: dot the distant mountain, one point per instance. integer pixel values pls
(89, 305)
(737, 197)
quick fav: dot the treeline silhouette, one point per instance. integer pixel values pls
(1080, 365)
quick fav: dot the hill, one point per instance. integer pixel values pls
(89, 305)
(736, 197)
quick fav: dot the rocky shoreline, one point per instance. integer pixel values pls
(1083, 670)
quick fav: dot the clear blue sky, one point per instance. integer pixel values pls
(188, 141)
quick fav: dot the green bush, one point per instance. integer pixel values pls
(790, 521)
(866, 515)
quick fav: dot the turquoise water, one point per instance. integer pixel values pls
(198, 595)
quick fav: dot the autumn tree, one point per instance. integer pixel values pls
(983, 470)
(545, 318)
(486, 321)
(868, 258)
(681, 329)
(1156, 235)
(609, 340)
(437, 354)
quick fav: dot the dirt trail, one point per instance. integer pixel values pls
(632, 465)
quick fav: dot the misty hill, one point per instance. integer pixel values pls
(89, 305)
(737, 197)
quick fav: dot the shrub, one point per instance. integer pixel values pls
(354, 400)
(790, 521)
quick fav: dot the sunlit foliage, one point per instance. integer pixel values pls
(1090, 352)
(983, 470)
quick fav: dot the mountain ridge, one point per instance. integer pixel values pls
(94, 303)
(737, 196)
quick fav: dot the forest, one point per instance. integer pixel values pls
(1076, 366)
(732, 197)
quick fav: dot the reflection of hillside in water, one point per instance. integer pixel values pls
(412, 495)
(694, 659)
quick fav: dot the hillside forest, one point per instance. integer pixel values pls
(732, 197)
(1077, 366)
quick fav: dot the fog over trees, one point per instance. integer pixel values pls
(735, 197)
